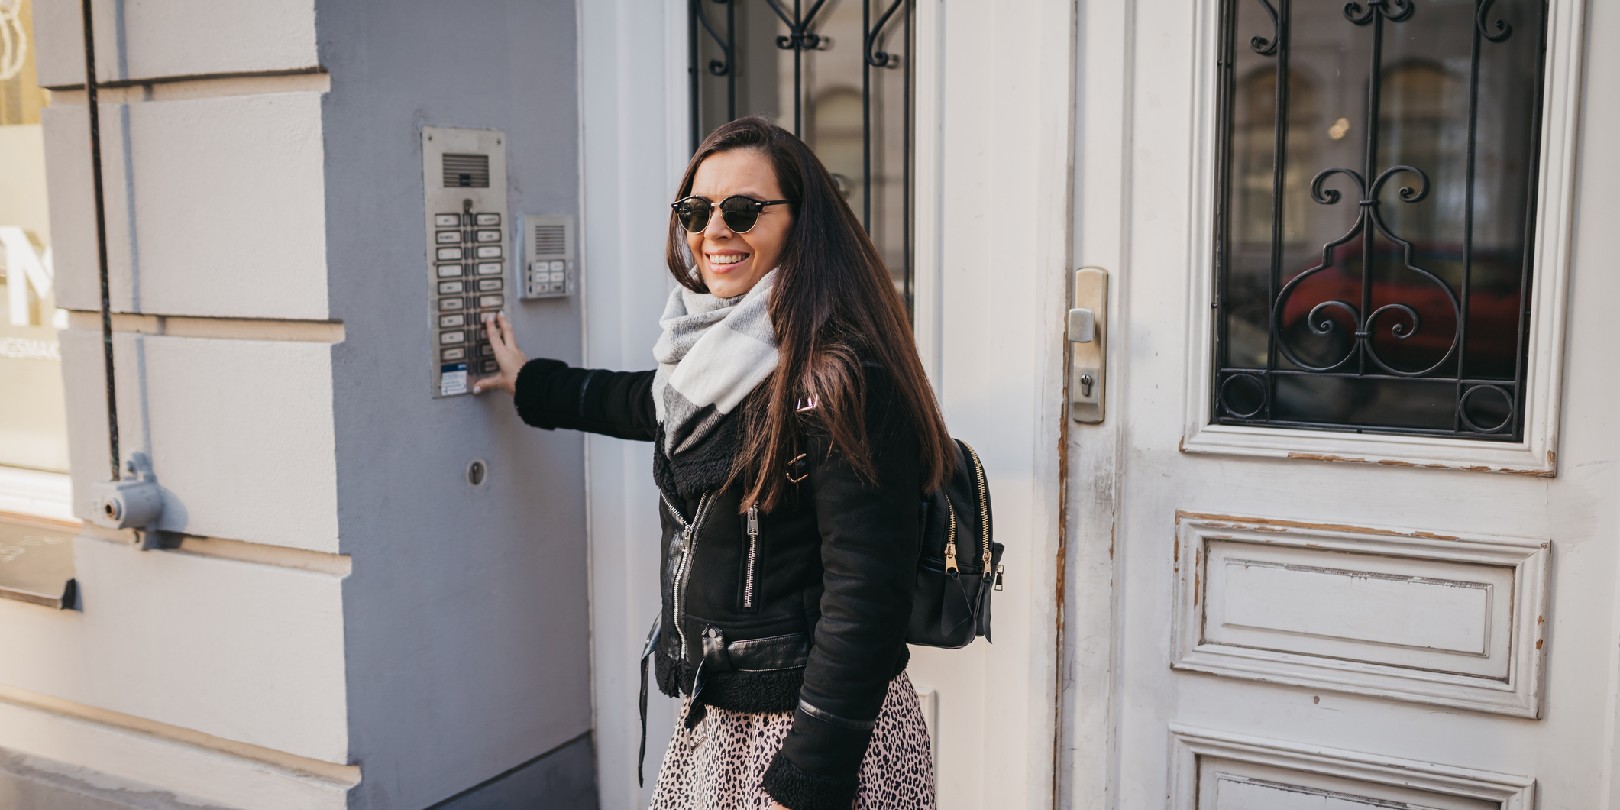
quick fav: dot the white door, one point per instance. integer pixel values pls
(1335, 546)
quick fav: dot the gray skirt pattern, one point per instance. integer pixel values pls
(719, 764)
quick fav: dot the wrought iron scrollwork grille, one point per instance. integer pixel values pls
(1375, 214)
(833, 72)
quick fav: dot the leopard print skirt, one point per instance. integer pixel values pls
(719, 764)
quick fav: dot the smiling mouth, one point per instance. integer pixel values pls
(722, 260)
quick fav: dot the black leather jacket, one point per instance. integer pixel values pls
(802, 608)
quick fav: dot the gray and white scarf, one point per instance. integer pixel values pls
(712, 353)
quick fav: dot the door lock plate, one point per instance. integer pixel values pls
(1088, 345)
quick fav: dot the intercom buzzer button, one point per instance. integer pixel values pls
(489, 269)
(451, 287)
(449, 270)
(490, 301)
(450, 254)
(485, 252)
(486, 350)
(446, 220)
(457, 319)
(447, 237)
(446, 304)
(488, 236)
(489, 284)
(489, 367)
(447, 338)
(456, 353)
(487, 219)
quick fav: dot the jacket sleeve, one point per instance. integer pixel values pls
(551, 394)
(870, 539)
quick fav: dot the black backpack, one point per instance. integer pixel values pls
(960, 564)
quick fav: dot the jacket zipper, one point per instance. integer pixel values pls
(683, 570)
(753, 556)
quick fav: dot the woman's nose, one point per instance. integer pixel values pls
(716, 229)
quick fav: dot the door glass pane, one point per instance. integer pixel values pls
(837, 73)
(33, 428)
(1376, 207)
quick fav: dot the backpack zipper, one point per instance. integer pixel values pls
(978, 471)
(753, 556)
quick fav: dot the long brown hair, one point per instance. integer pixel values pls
(833, 305)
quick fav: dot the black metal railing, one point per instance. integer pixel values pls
(798, 62)
(1409, 319)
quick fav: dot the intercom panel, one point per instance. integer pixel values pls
(548, 262)
(464, 198)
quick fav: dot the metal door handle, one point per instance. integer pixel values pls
(1088, 350)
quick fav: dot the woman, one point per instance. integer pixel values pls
(794, 436)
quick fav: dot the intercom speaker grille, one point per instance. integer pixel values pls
(466, 171)
(550, 240)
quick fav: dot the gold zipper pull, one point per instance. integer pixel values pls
(950, 559)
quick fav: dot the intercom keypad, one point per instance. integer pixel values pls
(461, 316)
(467, 236)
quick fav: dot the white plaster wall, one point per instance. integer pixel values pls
(239, 432)
(229, 218)
(215, 209)
(143, 39)
(635, 143)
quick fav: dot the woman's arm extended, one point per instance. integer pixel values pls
(551, 394)
(870, 535)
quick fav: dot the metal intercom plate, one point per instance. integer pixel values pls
(464, 199)
(548, 268)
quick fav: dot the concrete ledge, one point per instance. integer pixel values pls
(124, 768)
(31, 783)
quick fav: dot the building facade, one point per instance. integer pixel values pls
(1281, 329)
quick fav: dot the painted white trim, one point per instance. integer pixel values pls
(1537, 454)
(1518, 696)
(927, 173)
(1189, 745)
(1006, 135)
(635, 125)
(1088, 771)
(36, 493)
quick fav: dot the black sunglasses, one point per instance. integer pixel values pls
(739, 212)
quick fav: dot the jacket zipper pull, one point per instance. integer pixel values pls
(753, 554)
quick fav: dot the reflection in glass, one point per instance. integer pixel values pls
(33, 427)
(1375, 190)
(837, 73)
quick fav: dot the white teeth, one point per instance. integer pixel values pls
(730, 258)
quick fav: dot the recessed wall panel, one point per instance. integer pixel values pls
(1219, 771)
(1413, 615)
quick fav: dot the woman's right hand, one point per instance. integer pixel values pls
(507, 356)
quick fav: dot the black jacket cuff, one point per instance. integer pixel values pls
(798, 789)
(535, 392)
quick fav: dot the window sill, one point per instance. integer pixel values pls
(36, 562)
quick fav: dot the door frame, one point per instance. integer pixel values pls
(993, 289)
